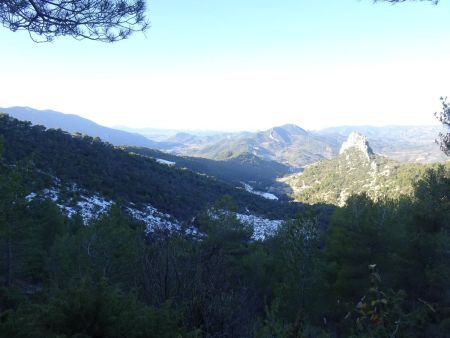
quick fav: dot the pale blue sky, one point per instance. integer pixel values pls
(244, 64)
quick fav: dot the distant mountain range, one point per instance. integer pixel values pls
(289, 144)
(296, 147)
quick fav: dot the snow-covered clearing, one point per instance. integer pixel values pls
(265, 195)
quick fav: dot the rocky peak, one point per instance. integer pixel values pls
(359, 142)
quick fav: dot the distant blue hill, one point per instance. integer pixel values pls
(76, 124)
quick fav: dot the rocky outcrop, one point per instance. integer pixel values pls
(359, 142)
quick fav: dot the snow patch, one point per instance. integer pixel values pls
(51, 193)
(92, 207)
(154, 219)
(262, 227)
(30, 197)
(89, 207)
(265, 195)
(169, 163)
(68, 211)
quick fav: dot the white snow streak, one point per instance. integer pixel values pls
(169, 163)
(92, 207)
(154, 219)
(265, 195)
(262, 227)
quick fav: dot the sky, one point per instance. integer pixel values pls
(244, 65)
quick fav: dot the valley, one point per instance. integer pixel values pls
(224, 169)
(181, 231)
(286, 162)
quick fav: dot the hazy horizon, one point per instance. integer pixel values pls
(245, 66)
(149, 129)
(143, 129)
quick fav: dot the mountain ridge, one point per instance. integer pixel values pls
(116, 174)
(288, 144)
(74, 123)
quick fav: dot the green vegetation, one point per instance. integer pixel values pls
(333, 181)
(242, 168)
(117, 174)
(379, 269)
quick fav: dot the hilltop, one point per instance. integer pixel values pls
(287, 144)
(356, 170)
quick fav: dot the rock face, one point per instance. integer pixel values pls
(355, 171)
(359, 142)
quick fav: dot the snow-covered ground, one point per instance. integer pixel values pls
(52, 193)
(266, 195)
(89, 207)
(154, 219)
(169, 163)
(262, 227)
(93, 206)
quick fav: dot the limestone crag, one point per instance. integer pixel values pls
(359, 142)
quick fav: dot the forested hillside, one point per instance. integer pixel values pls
(117, 174)
(158, 251)
(379, 269)
(218, 212)
(354, 172)
(245, 167)
(77, 124)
